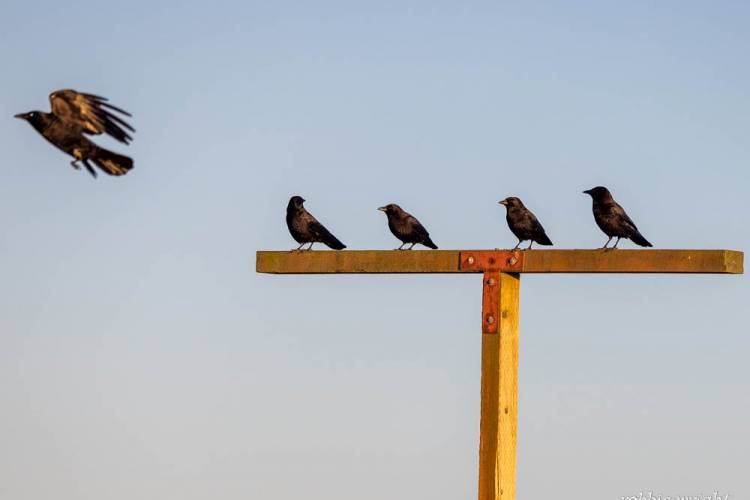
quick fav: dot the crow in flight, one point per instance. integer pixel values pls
(75, 115)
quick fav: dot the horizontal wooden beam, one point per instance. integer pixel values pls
(530, 261)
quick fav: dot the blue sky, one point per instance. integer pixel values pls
(141, 356)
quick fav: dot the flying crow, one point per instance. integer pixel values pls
(74, 116)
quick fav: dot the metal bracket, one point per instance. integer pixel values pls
(490, 301)
(491, 260)
(491, 263)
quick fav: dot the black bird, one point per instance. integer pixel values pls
(406, 227)
(612, 219)
(523, 223)
(305, 228)
(75, 115)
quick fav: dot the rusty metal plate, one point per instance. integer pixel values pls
(490, 301)
(491, 260)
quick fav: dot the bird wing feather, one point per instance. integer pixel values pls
(317, 229)
(525, 221)
(534, 223)
(417, 227)
(92, 113)
(624, 217)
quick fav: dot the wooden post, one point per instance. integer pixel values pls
(501, 268)
(499, 413)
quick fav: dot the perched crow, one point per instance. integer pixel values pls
(406, 227)
(523, 223)
(75, 114)
(612, 219)
(305, 228)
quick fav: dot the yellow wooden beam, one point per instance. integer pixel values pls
(533, 261)
(634, 261)
(358, 261)
(498, 422)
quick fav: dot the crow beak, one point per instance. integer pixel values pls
(382, 209)
(21, 116)
(588, 191)
(503, 202)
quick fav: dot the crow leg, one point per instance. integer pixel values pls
(401, 247)
(531, 243)
(607, 243)
(75, 164)
(517, 245)
(310, 247)
(89, 167)
(412, 246)
(298, 248)
(616, 242)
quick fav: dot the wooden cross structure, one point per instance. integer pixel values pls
(501, 272)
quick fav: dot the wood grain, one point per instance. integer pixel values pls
(533, 261)
(499, 407)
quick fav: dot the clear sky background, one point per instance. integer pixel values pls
(141, 356)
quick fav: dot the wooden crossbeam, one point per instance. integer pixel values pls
(529, 261)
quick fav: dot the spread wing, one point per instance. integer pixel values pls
(92, 113)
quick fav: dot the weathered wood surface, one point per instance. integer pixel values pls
(498, 425)
(533, 261)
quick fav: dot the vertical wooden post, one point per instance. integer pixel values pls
(499, 414)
